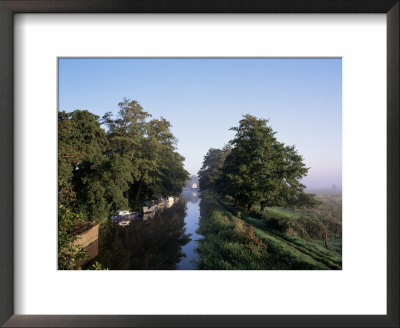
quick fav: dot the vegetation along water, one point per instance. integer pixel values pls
(252, 211)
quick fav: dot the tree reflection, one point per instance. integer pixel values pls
(152, 244)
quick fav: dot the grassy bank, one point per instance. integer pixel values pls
(233, 240)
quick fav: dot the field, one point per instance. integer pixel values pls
(275, 239)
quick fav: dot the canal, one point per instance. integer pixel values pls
(164, 240)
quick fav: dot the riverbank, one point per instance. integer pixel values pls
(233, 240)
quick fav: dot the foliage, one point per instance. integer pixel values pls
(68, 253)
(211, 168)
(101, 171)
(155, 167)
(96, 266)
(81, 143)
(260, 169)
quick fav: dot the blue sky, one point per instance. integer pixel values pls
(203, 98)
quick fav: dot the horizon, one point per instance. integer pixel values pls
(203, 98)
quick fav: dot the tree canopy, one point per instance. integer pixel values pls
(103, 170)
(211, 168)
(257, 168)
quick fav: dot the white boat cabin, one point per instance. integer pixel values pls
(124, 212)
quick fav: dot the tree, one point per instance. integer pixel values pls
(126, 134)
(168, 176)
(260, 169)
(101, 172)
(211, 168)
(80, 145)
(150, 147)
(157, 144)
(80, 133)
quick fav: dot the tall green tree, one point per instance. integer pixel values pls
(169, 175)
(150, 148)
(260, 169)
(157, 142)
(127, 133)
(80, 150)
(81, 142)
(211, 169)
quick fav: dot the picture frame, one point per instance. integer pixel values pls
(7, 10)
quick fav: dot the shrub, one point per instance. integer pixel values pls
(314, 227)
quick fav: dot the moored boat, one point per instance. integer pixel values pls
(124, 212)
(149, 209)
(125, 216)
(170, 202)
(149, 216)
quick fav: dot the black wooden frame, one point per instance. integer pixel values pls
(7, 10)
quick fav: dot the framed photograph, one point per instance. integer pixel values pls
(199, 164)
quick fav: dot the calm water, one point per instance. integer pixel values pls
(165, 240)
(191, 224)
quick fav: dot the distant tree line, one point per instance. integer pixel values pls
(103, 170)
(255, 168)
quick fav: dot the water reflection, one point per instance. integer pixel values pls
(189, 262)
(192, 196)
(161, 240)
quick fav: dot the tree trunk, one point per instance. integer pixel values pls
(249, 206)
(139, 188)
(262, 206)
(127, 194)
(325, 240)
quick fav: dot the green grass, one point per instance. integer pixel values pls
(314, 248)
(335, 245)
(282, 212)
(228, 242)
(249, 243)
(330, 207)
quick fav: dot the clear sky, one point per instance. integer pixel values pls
(203, 98)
